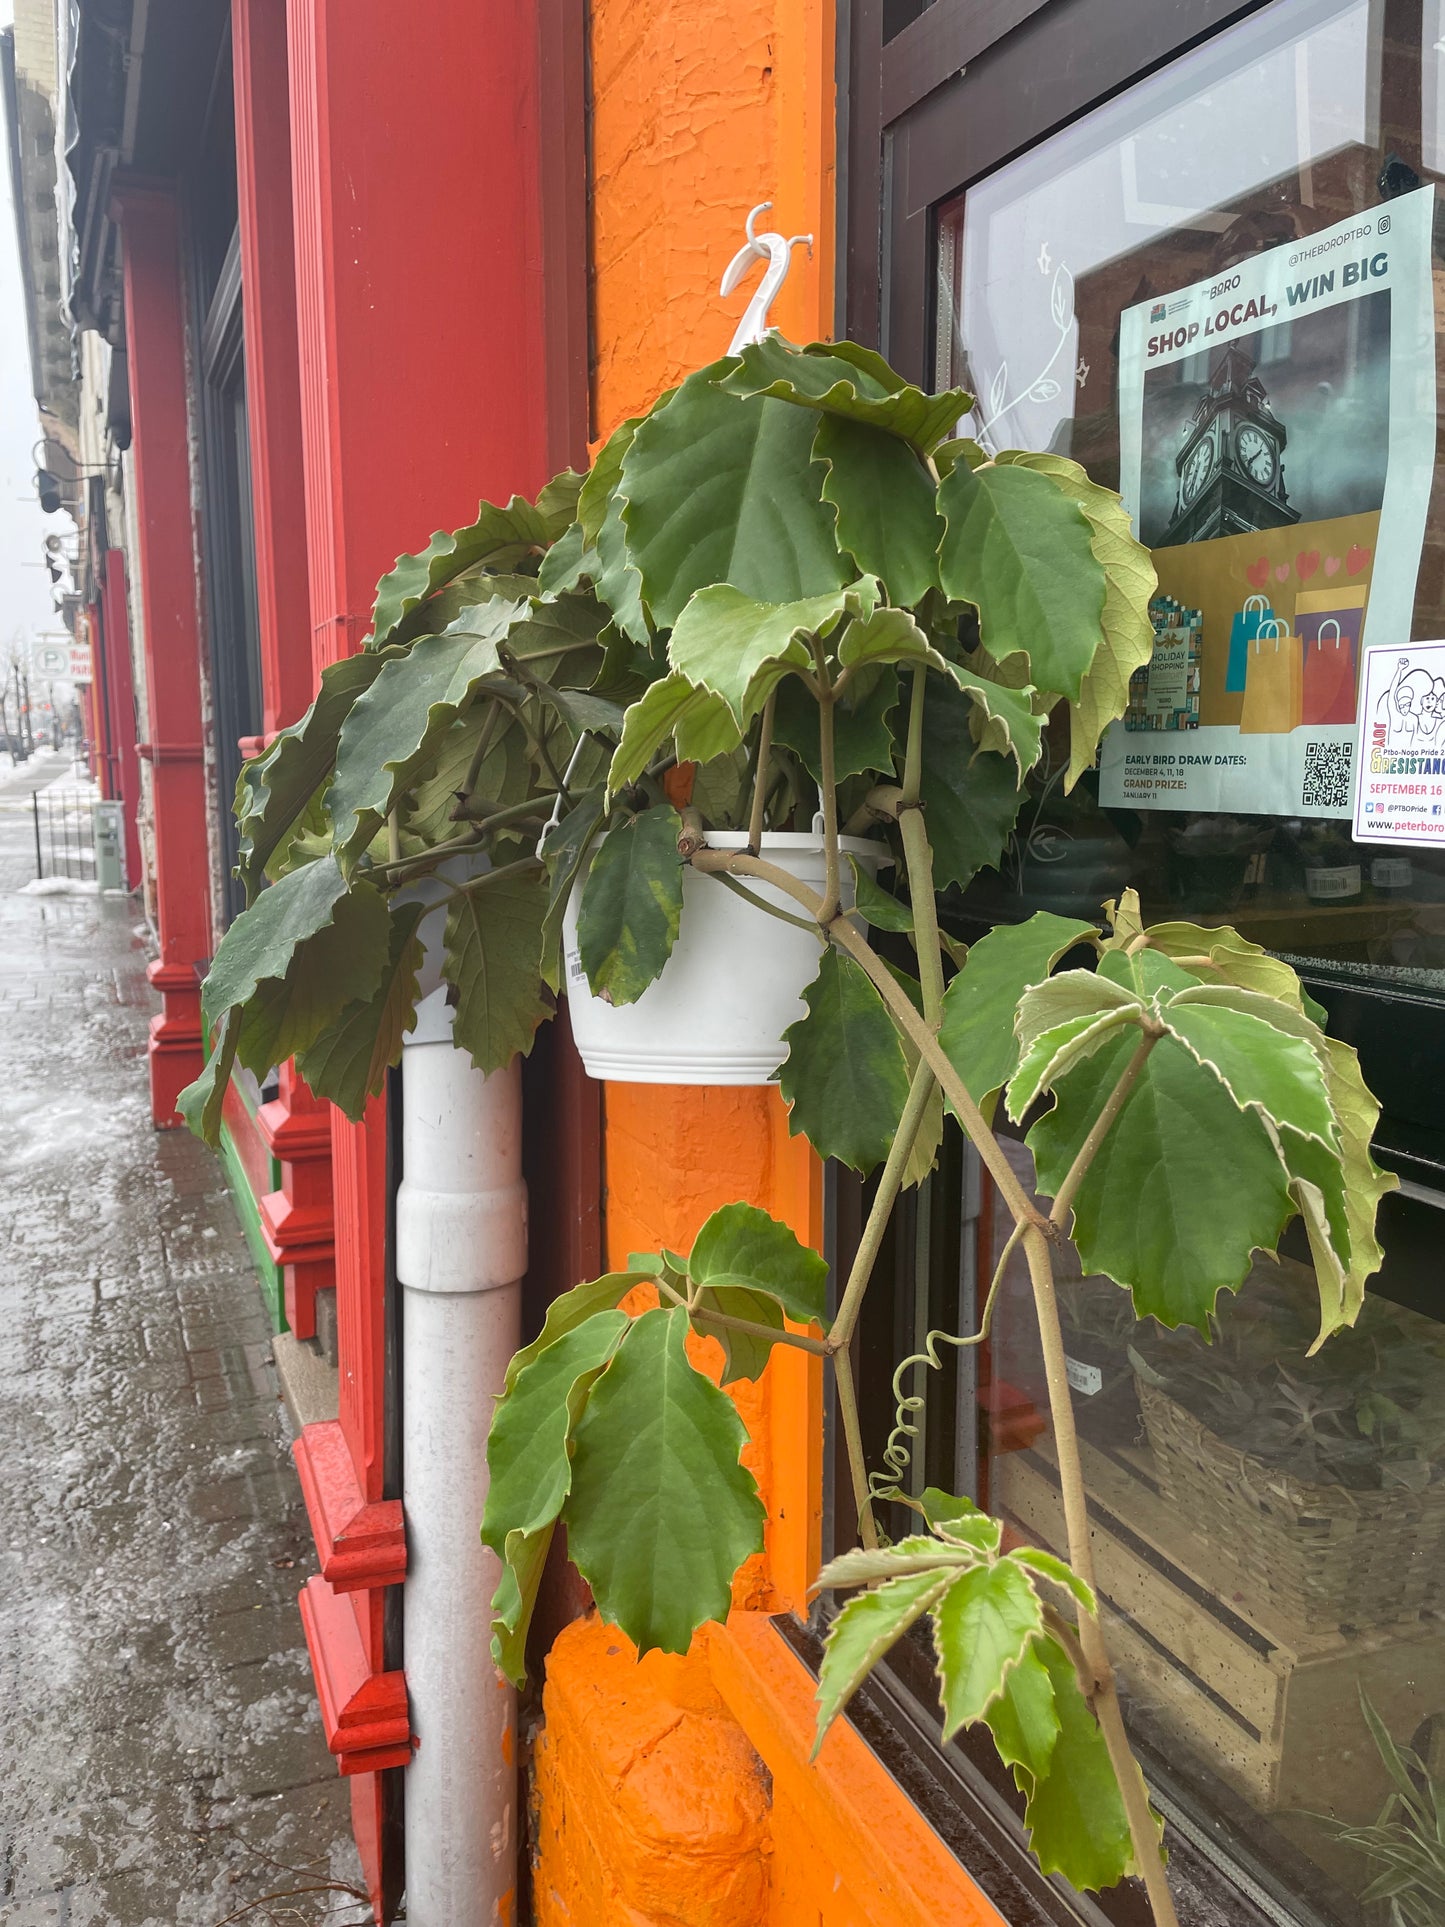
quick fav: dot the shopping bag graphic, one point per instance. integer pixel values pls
(1328, 685)
(1273, 692)
(1242, 632)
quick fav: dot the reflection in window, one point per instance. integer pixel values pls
(1270, 1525)
(1265, 136)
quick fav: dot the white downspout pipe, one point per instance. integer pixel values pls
(461, 1250)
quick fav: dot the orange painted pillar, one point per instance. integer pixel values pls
(149, 219)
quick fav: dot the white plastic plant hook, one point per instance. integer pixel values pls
(777, 251)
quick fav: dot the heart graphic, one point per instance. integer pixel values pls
(1258, 572)
(1281, 573)
(1332, 565)
(1357, 558)
(1306, 563)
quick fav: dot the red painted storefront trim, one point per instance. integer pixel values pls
(155, 329)
(363, 1713)
(359, 1543)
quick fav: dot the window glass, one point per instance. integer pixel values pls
(1270, 1526)
(1282, 471)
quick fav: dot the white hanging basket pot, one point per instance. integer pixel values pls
(732, 986)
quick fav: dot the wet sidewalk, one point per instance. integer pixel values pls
(161, 1758)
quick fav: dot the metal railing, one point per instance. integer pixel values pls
(64, 822)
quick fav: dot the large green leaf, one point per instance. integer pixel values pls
(745, 1354)
(867, 1627)
(1128, 632)
(564, 848)
(850, 384)
(971, 798)
(504, 778)
(661, 1513)
(493, 960)
(500, 537)
(602, 479)
(862, 739)
(875, 904)
(982, 1627)
(1221, 955)
(1075, 1814)
(618, 582)
(274, 788)
(573, 1308)
(672, 707)
(631, 905)
(1339, 1192)
(740, 648)
(888, 636)
(1023, 1721)
(348, 1062)
(530, 1472)
(1009, 726)
(980, 1004)
(262, 947)
(1054, 1053)
(1073, 993)
(1183, 1189)
(845, 1078)
(201, 1101)
(886, 505)
(717, 489)
(1259, 1064)
(399, 723)
(335, 964)
(741, 1245)
(1021, 553)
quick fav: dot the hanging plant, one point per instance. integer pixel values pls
(788, 590)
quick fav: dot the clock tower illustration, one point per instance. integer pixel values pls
(1231, 460)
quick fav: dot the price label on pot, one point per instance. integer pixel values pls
(1087, 1379)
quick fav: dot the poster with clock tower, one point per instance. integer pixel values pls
(1230, 463)
(1292, 550)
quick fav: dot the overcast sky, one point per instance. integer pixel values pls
(25, 604)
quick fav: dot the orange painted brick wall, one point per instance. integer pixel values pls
(678, 1792)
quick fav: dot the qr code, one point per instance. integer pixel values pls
(1327, 776)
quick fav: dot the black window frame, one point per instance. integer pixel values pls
(924, 112)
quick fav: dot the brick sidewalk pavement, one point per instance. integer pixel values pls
(161, 1761)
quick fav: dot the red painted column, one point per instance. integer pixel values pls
(155, 332)
(419, 297)
(296, 1220)
(124, 756)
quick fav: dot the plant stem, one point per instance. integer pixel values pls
(817, 1346)
(853, 1438)
(409, 867)
(843, 933)
(1099, 1129)
(493, 819)
(393, 838)
(913, 753)
(522, 866)
(484, 742)
(919, 859)
(1105, 1696)
(760, 778)
(761, 903)
(889, 1184)
(827, 787)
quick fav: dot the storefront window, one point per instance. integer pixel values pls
(1270, 1527)
(1280, 465)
